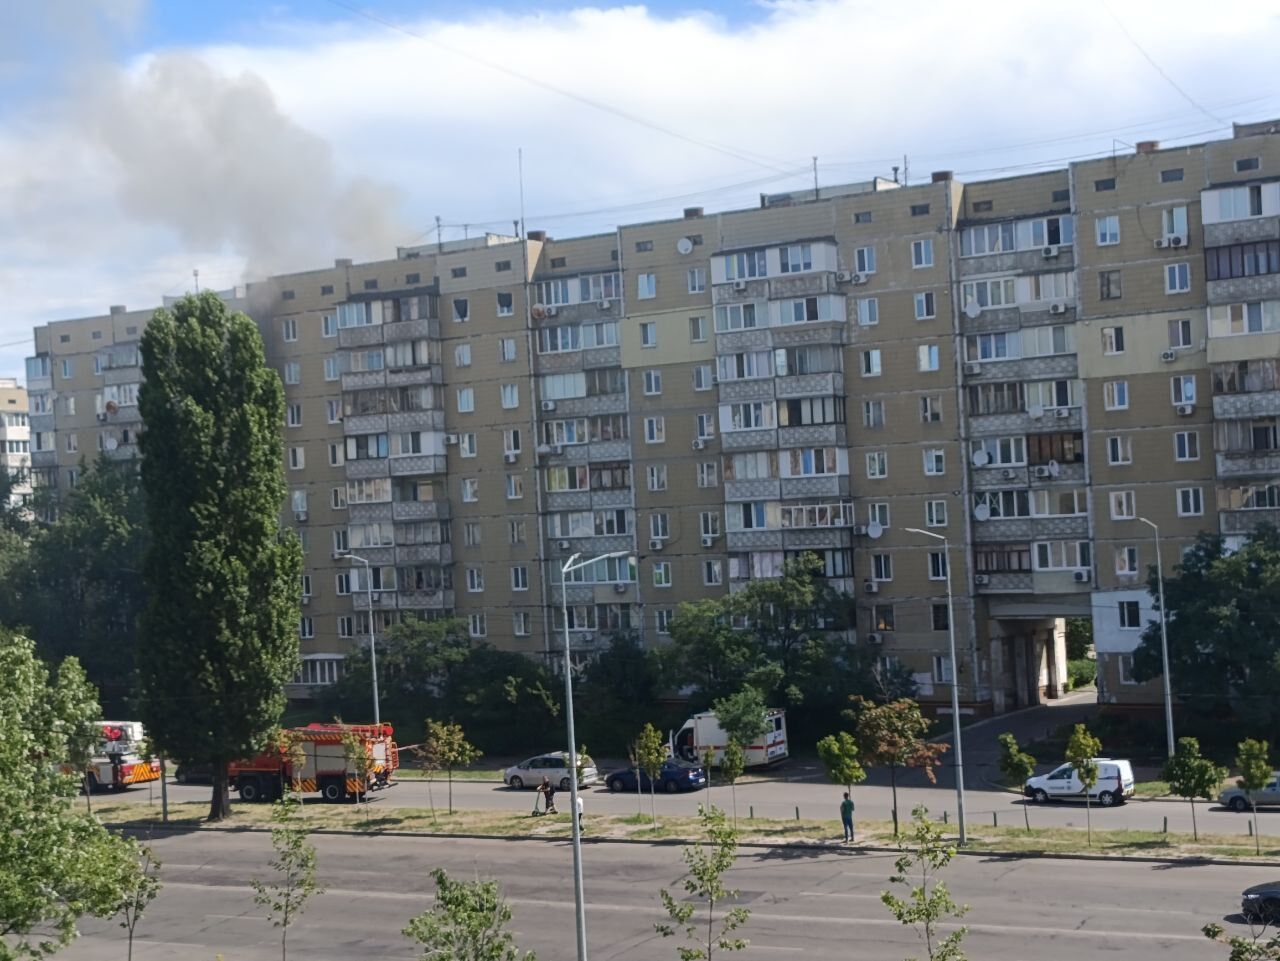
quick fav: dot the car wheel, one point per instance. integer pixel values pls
(515, 782)
(333, 791)
(564, 784)
(1040, 795)
(250, 791)
(180, 776)
(1239, 805)
(671, 787)
(1270, 911)
(1106, 799)
(614, 785)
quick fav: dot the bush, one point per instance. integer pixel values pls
(1081, 672)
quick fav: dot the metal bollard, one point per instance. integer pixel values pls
(995, 819)
(1166, 824)
(797, 812)
(944, 815)
(1250, 823)
(752, 815)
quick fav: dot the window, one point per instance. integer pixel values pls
(461, 310)
(707, 474)
(507, 350)
(873, 413)
(1179, 333)
(709, 523)
(472, 535)
(882, 567)
(877, 465)
(457, 273)
(345, 626)
(941, 617)
(652, 382)
(925, 307)
(937, 566)
(511, 441)
(1174, 221)
(1177, 278)
(506, 304)
(329, 325)
(293, 415)
(919, 210)
(297, 456)
(1107, 183)
(871, 363)
(1245, 164)
(697, 330)
(931, 409)
(862, 217)
(1130, 615)
(332, 369)
(476, 625)
(644, 246)
(467, 446)
(1171, 176)
(704, 426)
(935, 462)
(662, 619)
(712, 573)
(942, 673)
(703, 378)
(1109, 287)
(1242, 260)
(1115, 395)
(796, 258)
(646, 286)
(292, 372)
(1122, 505)
(655, 430)
(882, 618)
(306, 627)
(475, 580)
(697, 277)
(657, 476)
(515, 487)
(648, 334)
(515, 532)
(336, 458)
(878, 513)
(868, 311)
(1119, 449)
(1190, 502)
(466, 400)
(864, 260)
(289, 330)
(520, 624)
(1113, 340)
(462, 355)
(470, 490)
(935, 514)
(1127, 560)
(510, 396)
(520, 578)
(1182, 388)
(661, 573)
(1108, 230)
(1186, 445)
(922, 253)
(927, 357)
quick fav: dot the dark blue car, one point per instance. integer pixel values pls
(674, 776)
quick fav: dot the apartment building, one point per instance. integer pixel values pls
(15, 439)
(1006, 387)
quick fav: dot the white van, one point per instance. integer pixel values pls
(1114, 785)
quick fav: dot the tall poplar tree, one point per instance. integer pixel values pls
(219, 637)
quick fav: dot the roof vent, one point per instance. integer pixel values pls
(942, 176)
(342, 262)
(1147, 146)
(692, 213)
(117, 308)
(538, 235)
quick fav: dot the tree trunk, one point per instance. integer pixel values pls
(733, 792)
(893, 785)
(639, 795)
(1088, 819)
(653, 807)
(88, 792)
(1195, 833)
(1026, 817)
(220, 802)
(451, 790)
(1257, 840)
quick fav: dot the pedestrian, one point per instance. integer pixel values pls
(579, 813)
(548, 792)
(846, 816)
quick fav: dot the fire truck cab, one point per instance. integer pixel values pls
(337, 761)
(117, 761)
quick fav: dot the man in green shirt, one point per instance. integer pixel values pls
(846, 816)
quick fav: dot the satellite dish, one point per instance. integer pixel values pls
(110, 443)
(539, 311)
(1036, 411)
(875, 530)
(1054, 468)
(684, 246)
(981, 458)
(111, 407)
(982, 512)
(972, 310)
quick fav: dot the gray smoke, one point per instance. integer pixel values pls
(213, 158)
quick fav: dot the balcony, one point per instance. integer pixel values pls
(1032, 260)
(370, 467)
(735, 341)
(415, 420)
(999, 478)
(381, 600)
(364, 424)
(1245, 522)
(559, 363)
(765, 439)
(736, 391)
(1005, 582)
(756, 489)
(41, 423)
(826, 486)
(414, 376)
(424, 554)
(376, 556)
(419, 510)
(1055, 367)
(126, 414)
(1241, 231)
(1008, 530)
(114, 376)
(731, 293)
(360, 336)
(1264, 403)
(369, 513)
(810, 385)
(364, 380)
(602, 450)
(612, 499)
(812, 435)
(414, 465)
(831, 332)
(1249, 463)
(991, 320)
(1266, 287)
(122, 452)
(589, 406)
(601, 357)
(756, 540)
(44, 458)
(408, 330)
(426, 600)
(568, 500)
(815, 538)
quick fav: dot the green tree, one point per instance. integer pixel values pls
(1256, 947)
(357, 760)
(924, 852)
(732, 764)
(651, 752)
(1079, 637)
(894, 735)
(1253, 758)
(295, 866)
(446, 747)
(1082, 748)
(742, 716)
(58, 864)
(1192, 775)
(140, 885)
(219, 637)
(704, 883)
(467, 923)
(840, 756)
(708, 653)
(618, 691)
(1017, 766)
(1224, 633)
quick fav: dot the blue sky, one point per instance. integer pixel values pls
(142, 139)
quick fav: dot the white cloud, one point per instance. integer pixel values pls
(103, 212)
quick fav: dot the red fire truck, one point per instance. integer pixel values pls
(117, 761)
(319, 758)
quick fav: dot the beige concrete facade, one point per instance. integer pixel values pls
(1022, 366)
(15, 439)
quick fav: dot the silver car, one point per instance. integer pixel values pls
(1237, 798)
(553, 766)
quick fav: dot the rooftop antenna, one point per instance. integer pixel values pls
(520, 173)
(439, 238)
(196, 274)
(906, 171)
(895, 173)
(815, 179)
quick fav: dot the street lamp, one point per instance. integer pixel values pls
(1164, 640)
(955, 677)
(373, 647)
(579, 902)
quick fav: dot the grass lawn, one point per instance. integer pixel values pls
(377, 819)
(460, 774)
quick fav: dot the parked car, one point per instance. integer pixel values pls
(675, 775)
(194, 774)
(1114, 784)
(554, 766)
(1261, 903)
(1237, 798)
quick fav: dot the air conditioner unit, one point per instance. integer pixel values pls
(1063, 413)
(300, 516)
(557, 450)
(306, 599)
(972, 369)
(875, 637)
(739, 285)
(450, 439)
(1082, 577)
(375, 597)
(1048, 253)
(1057, 308)
(1177, 240)
(511, 457)
(543, 450)
(859, 530)
(1186, 410)
(548, 405)
(981, 580)
(564, 545)
(1162, 243)
(858, 279)
(603, 305)
(844, 276)
(655, 543)
(620, 588)
(1168, 356)
(102, 416)
(1007, 474)
(1042, 472)
(871, 587)
(338, 555)
(552, 311)
(587, 637)
(708, 540)
(699, 443)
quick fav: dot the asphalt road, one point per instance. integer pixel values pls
(816, 799)
(815, 906)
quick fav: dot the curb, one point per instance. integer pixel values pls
(749, 845)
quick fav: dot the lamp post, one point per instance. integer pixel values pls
(373, 647)
(579, 901)
(1164, 640)
(955, 679)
